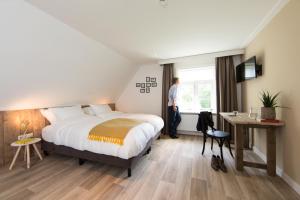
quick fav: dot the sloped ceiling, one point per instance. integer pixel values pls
(47, 63)
(143, 30)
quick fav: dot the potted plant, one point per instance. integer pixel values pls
(270, 103)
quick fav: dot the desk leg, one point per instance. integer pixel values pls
(28, 156)
(239, 144)
(271, 152)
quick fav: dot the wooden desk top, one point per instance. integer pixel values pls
(244, 119)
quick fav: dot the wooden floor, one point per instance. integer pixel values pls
(175, 169)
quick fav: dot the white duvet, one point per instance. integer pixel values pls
(74, 133)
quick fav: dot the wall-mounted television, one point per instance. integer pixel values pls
(248, 70)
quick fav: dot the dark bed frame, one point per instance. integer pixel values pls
(82, 156)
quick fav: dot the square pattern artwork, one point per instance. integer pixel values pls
(145, 87)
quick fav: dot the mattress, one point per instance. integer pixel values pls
(74, 133)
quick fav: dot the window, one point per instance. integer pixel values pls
(197, 89)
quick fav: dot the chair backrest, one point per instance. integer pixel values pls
(205, 120)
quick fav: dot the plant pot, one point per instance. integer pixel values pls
(268, 113)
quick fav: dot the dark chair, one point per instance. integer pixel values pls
(205, 120)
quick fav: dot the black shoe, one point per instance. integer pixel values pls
(222, 165)
(215, 163)
(173, 137)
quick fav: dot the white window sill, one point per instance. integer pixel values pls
(193, 113)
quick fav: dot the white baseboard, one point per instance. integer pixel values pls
(291, 182)
(196, 133)
(279, 172)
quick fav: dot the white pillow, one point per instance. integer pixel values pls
(64, 113)
(100, 109)
(88, 110)
(49, 115)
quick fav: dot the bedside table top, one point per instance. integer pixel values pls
(25, 142)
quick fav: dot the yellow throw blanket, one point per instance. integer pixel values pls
(113, 131)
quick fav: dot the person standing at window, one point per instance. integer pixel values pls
(174, 115)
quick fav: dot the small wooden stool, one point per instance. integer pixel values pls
(25, 143)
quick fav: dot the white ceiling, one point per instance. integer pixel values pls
(143, 30)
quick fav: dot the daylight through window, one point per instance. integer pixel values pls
(197, 89)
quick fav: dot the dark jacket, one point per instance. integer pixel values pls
(205, 120)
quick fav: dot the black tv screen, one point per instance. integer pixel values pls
(247, 70)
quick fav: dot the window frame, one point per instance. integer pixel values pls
(196, 84)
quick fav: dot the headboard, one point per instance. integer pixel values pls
(10, 129)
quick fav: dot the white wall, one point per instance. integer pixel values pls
(46, 63)
(131, 100)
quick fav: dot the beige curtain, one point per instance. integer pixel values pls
(168, 75)
(226, 86)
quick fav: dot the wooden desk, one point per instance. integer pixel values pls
(242, 121)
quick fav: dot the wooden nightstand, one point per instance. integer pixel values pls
(25, 143)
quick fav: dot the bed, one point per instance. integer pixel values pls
(68, 136)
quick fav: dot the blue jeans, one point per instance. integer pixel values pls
(174, 120)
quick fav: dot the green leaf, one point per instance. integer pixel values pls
(268, 99)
